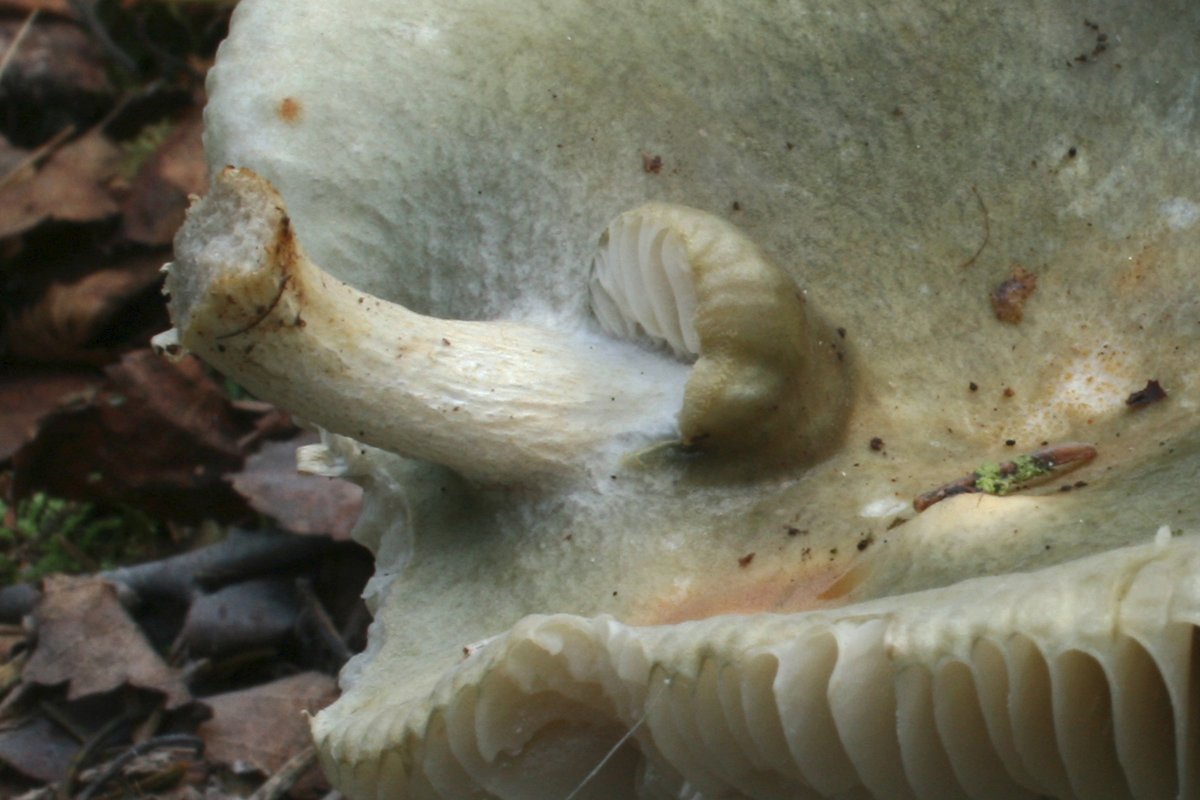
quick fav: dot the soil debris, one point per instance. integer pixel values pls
(1150, 394)
(1008, 299)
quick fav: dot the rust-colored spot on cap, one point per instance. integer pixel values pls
(796, 584)
(290, 110)
(1008, 299)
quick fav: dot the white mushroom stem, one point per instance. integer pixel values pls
(496, 401)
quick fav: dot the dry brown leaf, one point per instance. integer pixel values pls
(156, 435)
(56, 77)
(264, 726)
(26, 396)
(86, 640)
(158, 195)
(56, 59)
(37, 749)
(72, 185)
(299, 503)
(91, 319)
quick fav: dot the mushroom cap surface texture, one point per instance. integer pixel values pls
(916, 238)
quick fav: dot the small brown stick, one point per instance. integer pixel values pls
(1009, 476)
(292, 770)
(76, 552)
(320, 617)
(961, 486)
(147, 785)
(117, 764)
(86, 10)
(10, 671)
(16, 42)
(18, 695)
(43, 150)
(59, 718)
(93, 744)
(987, 231)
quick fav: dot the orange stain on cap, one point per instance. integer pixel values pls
(779, 591)
(290, 110)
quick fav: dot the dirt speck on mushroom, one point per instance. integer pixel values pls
(1008, 299)
(1152, 393)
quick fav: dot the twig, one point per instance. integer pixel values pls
(16, 42)
(43, 150)
(987, 231)
(320, 617)
(86, 9)
(1009, 476)
(10, 671)
(62, 720)
(278, 784)
(147, 785)
(245, 554)
(140, 749)
(19, 694)
(93, 743)
(76, 552)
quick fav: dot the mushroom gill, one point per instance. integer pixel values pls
(1072, 681)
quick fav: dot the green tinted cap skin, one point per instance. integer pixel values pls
(892, 163)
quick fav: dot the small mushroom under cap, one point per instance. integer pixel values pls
(765, 380)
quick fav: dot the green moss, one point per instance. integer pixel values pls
(1004, 478)
(137, 151)
(45, 534)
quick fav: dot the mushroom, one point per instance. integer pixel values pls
(667, 546)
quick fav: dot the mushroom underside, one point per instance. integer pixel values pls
(1073, 681)
(991, 221)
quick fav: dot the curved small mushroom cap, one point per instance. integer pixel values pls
(898, 162)
(764, 382)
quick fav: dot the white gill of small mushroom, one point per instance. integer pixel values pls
(765, 381)
(1072, 681)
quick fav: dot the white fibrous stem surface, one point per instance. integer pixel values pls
(502, 402)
